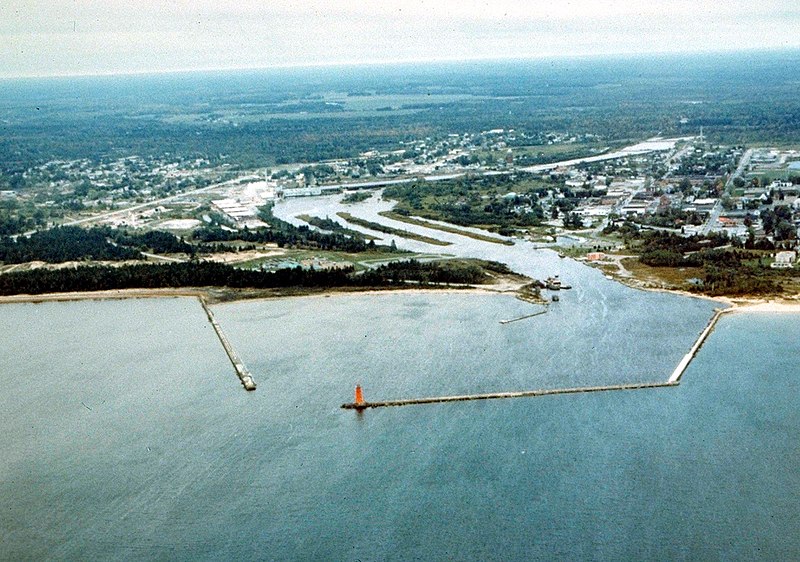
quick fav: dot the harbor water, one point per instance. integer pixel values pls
(126, 433)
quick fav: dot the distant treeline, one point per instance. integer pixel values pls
(210, 274)
(736, 98)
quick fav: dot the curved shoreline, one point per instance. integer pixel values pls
(766, 303)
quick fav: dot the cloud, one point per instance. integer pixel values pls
(73, 36)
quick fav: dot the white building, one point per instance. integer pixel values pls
(784, 260)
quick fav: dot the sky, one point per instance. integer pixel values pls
(72, 37)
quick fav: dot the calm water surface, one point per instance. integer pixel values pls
(127, 435)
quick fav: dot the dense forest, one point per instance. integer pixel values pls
(667, 249)
(71, 243)
(330, 225)
(297, 237)
(210, 274)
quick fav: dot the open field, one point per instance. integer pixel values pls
(673, 277)
(391, 231)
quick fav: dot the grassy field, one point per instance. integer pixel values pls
(391, 231)
(673, 277)
(678, 277)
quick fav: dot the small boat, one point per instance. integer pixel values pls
(553, 283)
(554, 298)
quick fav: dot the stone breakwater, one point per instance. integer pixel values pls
(241, 371)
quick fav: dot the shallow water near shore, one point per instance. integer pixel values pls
(127, 435)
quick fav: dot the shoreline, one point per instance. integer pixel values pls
(770, 306)
(742, 303)
(114, 294)
(219, 296)
(216, 295)
(739, 303)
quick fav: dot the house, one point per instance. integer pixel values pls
(784, 260)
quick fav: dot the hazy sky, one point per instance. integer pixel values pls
(49, 37)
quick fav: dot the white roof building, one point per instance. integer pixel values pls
(784, 260)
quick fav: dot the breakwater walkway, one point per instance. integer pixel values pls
(493, 395)
(684, 363)
(674, 379)
(241, 371)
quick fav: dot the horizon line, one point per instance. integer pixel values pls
(399, 62)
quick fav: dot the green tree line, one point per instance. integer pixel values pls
(211, 274)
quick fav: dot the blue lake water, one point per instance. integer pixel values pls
(127, 435)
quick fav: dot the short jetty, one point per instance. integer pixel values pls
(684, 363)
(361, 404)
(241, 371)
(523, 317)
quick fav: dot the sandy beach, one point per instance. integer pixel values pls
(754, 305)
(214, 294)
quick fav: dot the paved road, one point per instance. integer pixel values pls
(713, 216)
(743, 162)
(715, 213)
(162, 258)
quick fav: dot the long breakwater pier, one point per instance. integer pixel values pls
(363, 404)
(674, 380)
(241, 371)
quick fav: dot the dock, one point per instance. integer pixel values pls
(684, 363)
(523, 317)
(241, 371)
(362, 405)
